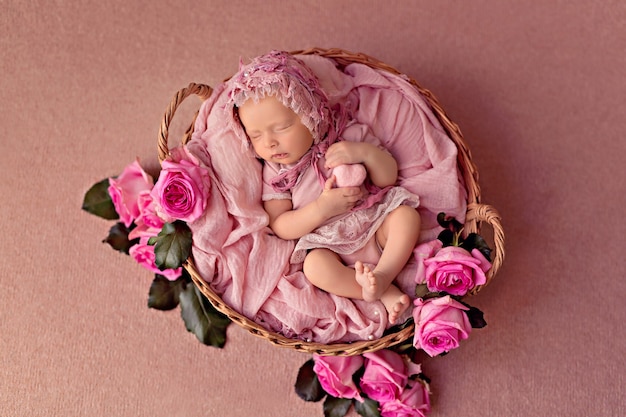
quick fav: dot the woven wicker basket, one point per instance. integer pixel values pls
(477, 213)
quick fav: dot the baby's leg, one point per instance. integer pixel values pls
(398, 237)
(324, 269)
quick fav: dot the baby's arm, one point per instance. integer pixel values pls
(289, 224)
(381, 166)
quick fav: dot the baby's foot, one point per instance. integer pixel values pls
(367, 280)
(396, 303)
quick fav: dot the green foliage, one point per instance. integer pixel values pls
(447, 237)
(449, 223)
(421, 290)
(367, 408)
(336, 407)
(475, 241)
(172, 246)
(476, 318)
(307, 385)
(199, 315)
(98, 202)
(451, 236)
(165, 294)
(118, 238)
(201, 318)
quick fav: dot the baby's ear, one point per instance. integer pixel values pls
(351, 175)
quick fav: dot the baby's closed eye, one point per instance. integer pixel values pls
(284, 127)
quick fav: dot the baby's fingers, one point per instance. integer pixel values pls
(352, 194)
(330, 183)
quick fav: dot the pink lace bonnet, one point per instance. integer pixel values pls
(280, 74)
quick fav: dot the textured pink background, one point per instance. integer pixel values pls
(538, 90)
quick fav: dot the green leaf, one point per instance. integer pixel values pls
(476, 318)
(397, 327)
(173, 245)
(164, 294)
(118, 238)
(441, 219)
(307, 385)
(421, 290)
(446, 237)
(367, 408)
(449, 223)
(404, 348)
(336, 407)
(475, 241)
(97, 201)
(201, 318)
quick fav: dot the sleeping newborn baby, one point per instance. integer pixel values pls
(355, 228)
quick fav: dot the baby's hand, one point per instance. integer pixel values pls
(381, 166)
(345, 152)
(335, 201)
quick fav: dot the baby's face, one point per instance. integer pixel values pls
(275, 131)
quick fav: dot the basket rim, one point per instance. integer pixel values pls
(476, 212)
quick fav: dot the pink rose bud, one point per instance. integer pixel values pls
(455, 270)
(335, 375)
(125, 190)
(144, 255)
(148, 223)
(182, 190)
(351, 175)
(385, 375)
(440, 324)
(147, 212)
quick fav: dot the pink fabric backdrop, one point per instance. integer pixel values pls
(538, 90)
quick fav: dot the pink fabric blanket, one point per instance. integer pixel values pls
(232, 246)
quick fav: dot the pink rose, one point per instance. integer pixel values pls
(412, 402)
(455, 270)
(385, 376)
(148, 223)
(143, 254)
(125, 190)
(147, 212)
(440, 323)
(182, 190)
(335, 375)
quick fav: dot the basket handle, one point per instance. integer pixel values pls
(478, 213)
(201, 90)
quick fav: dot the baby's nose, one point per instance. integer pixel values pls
(270, 141)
